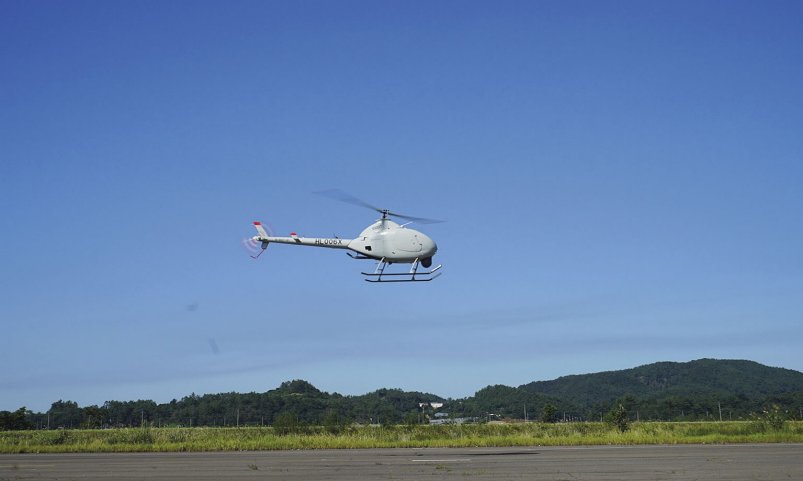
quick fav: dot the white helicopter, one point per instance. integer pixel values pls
(384, 241)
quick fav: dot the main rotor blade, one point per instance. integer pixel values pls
(420, 220)
(338, 194)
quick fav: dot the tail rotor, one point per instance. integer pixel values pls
(256, 245)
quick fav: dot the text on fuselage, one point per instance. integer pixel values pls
(329, 242)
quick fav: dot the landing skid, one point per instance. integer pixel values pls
(379, 273)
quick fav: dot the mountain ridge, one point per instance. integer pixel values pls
(679, 378)
(694, 390)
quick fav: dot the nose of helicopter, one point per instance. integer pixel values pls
(428, 249)
(428, 246)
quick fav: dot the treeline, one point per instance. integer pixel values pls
(505, 402)
(299, 403)
(297, 399)
(701, 390)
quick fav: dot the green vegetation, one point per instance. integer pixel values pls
(766, 402)
(771, 419)
(318, 437)
(704, 390)
(16, 420)
(548, 414)
(297, 399)
(674, 391)
(618, 418)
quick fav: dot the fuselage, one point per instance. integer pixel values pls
(387, 239)
(384, 239)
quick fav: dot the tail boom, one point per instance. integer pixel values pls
(294, 239)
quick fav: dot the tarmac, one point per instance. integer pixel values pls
(773, 462)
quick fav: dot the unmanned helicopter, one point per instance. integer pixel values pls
(384, 241)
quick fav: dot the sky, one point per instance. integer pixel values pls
(621, 183)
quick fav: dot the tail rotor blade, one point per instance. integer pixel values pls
(251, 245)
(256, 247)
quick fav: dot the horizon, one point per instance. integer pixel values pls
(620, 183)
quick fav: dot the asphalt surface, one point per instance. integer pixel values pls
(696, 462)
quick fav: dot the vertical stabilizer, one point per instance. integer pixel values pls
(260, 229)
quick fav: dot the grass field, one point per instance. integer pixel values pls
(265, 438)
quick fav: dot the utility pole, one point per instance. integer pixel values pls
(720, 411)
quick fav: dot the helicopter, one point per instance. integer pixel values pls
(384, 241)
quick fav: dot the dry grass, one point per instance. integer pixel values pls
(264, 438)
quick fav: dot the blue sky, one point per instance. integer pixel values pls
(621, 180)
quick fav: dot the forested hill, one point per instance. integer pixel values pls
(741, 384)
(696, 390)
(298, 400)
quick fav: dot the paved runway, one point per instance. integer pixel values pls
(707, 462)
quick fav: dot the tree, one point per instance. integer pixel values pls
(773, 417)
(65, 414)
(13, 421)
(333, 423)
(286, 423)
(411, 419)
(618, 418)
(548, 414)
(95, 417)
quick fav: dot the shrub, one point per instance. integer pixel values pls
(332, 423)
(548, 415)
(772, 418)
(618, 418)
(286, 423)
